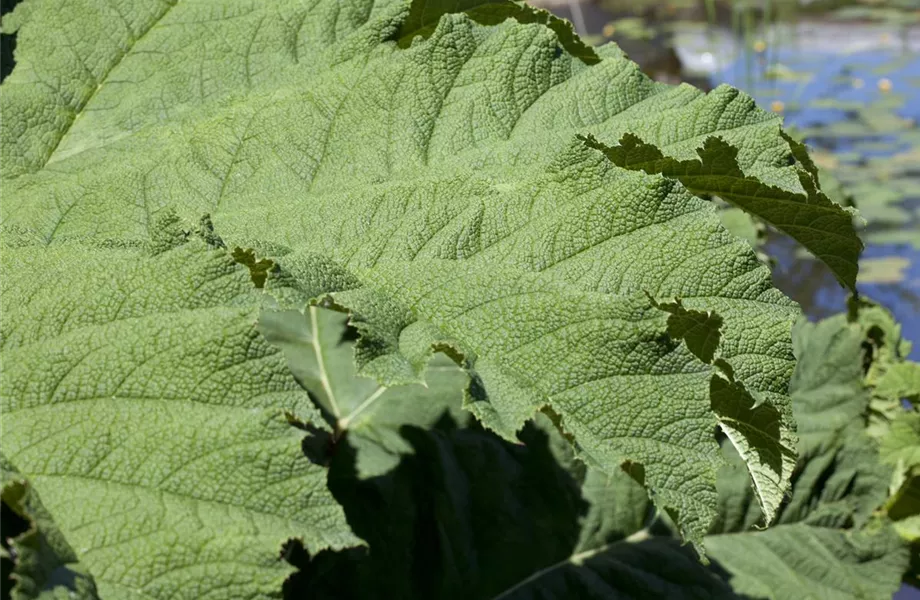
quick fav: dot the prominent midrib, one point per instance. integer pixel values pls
(575, 559)
(83, 103)
(320, 362)
(344, 422)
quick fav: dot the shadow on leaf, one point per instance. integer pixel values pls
(467, 515)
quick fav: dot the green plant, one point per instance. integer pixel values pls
(513, 218)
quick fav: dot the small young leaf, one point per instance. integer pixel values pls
(425, 14)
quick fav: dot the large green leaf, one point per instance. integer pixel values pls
(150, 414)
(444, 187)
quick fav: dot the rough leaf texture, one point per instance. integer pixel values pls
(451, 511)
(441, 184)
(45, 565)
(820, 224)
(789, 562)
(149, 412)
(821, 545)
(467, 515)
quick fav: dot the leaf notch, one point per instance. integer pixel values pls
(822, 226)
(424, 16)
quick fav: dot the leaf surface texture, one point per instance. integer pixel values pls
(438, 192)
(150, 412)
